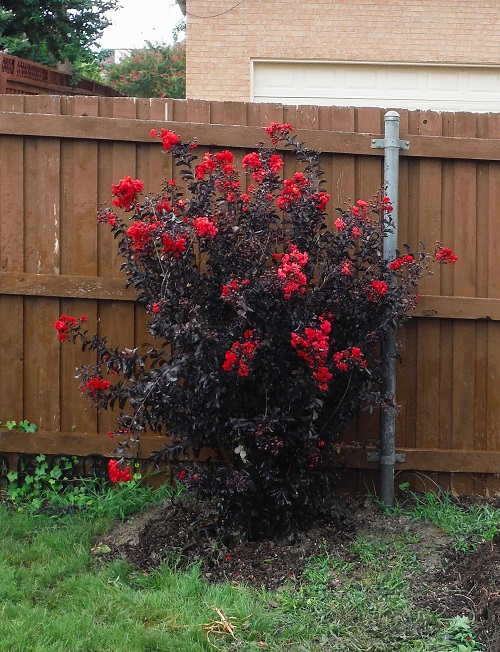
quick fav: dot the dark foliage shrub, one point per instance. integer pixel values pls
(267, 325)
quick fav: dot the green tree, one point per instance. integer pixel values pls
(156, 71)
(54, 30)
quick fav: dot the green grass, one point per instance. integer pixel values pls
(57, 595)
(467, 525)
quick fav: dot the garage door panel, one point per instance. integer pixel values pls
(441, 88)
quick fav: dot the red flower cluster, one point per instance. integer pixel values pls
(275, 163)
(204, 227)
(339, 224)
(444, 255)
(140, 233)
(293, 189)
(313, 348)
(107, 217)
(163, 205)
(352, 355)
(290, 272)
(116, 475)
(276, 131)
(254, 162)
(241, 354)
(169, 139)
(401, 261)
(174, 247)
(66, 323)
(386, 204)
(346, 268)
(360, 209)
(377, 290)
(125, 192)
(321, 200)
(95, 384)
(233, 287)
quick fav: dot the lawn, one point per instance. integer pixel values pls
(62, 590)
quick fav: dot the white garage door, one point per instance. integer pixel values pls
(442, 88)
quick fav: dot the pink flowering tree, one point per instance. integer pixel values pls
(266, 325)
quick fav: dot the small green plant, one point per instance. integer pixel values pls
(30, 487)
(22, 426)
(461, 635)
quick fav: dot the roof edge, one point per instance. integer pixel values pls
(182, 5)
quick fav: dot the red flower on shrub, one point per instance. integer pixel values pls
(290, 272)
(116, 474)
(239, 357)
(174, 247)
(444, 255)
(277, 130)
(169, 139)
(94, 385)
(204, 227)
(126, 191)
(313, 348)
(401, 261)
(377, 290)
(65, 324)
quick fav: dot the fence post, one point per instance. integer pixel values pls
(387, 457)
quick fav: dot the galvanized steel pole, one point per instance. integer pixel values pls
(391, 144)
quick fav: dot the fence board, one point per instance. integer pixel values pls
(54, 258)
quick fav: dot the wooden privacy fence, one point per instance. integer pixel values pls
(59, 157)
(23, 77)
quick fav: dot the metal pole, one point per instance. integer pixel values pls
(391, 145)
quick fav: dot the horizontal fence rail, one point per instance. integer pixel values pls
(59, 157)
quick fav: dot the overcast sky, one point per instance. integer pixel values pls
(139, 21)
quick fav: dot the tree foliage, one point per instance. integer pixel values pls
(54, 30)
(156, 71)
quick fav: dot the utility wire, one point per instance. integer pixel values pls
(188, 13)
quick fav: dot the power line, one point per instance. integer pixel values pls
(188, 13)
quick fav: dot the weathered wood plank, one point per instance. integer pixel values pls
(134, 130)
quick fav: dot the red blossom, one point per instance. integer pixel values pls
(239, 357)
(313, 348)
(348, 358)
(204, 227)
(321, 200)
(169, 139)
(293, 189)
(116, 474)
(174, 247)
(275, 163)
(290, 272)
(377, 290)
(277, 130)
(444, 255)
(65, 323)
(126, 191)
(95, 384)
(401, 261)
(339, 224)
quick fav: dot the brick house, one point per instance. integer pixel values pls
(428, 54)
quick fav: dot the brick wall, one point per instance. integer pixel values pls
(221, 47)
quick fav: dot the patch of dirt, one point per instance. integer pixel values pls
(468, 584)
(449, 583)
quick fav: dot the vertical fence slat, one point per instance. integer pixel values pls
(42, 255)
(464, 274)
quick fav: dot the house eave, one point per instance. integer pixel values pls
(182, 5)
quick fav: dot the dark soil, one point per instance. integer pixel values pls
(450, 583)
